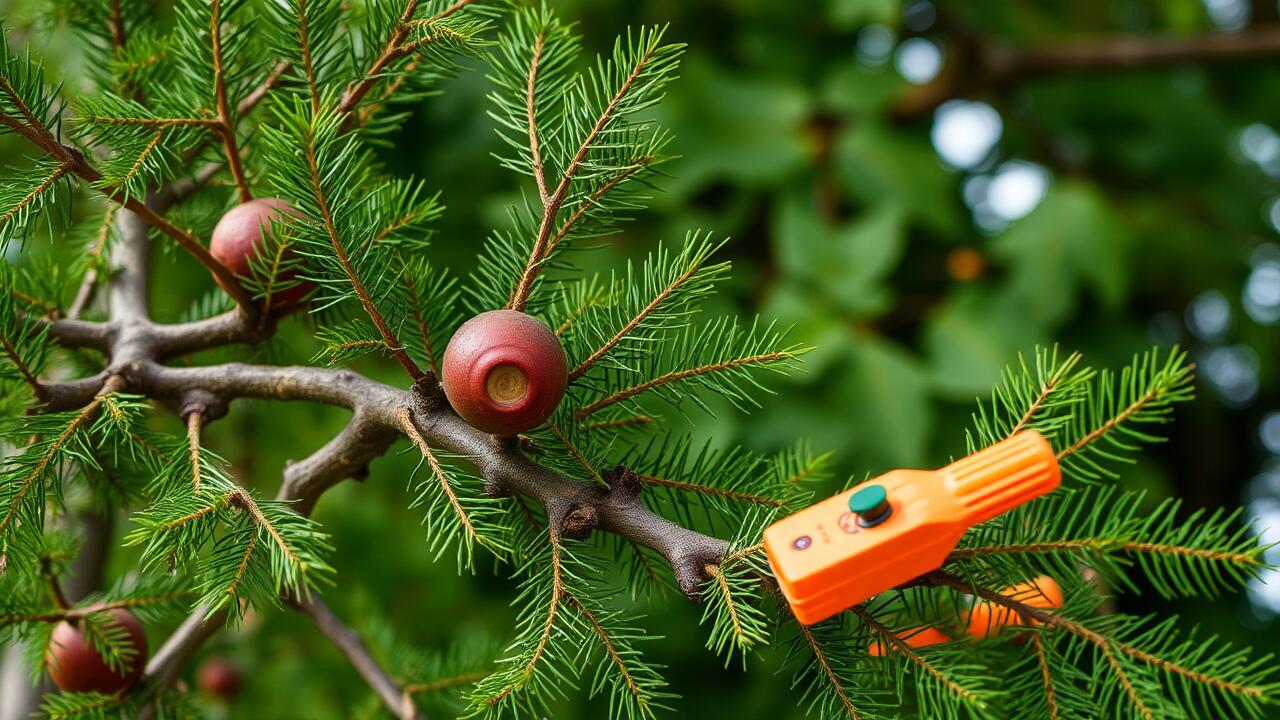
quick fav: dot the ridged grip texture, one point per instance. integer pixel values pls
(1003, 476)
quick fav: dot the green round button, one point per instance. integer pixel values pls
(869, 500)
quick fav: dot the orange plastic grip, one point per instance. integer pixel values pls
(901, 525)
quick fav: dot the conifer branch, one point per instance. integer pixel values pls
(424, 328)
(531, 104)
(891, 638)
(76, 162)
(1105, 545)
(226, 123)
(555, 593)
(340, 252)
(1032, 615)
(58, 173)
(836, 685)
(1047, 389)
(391, 52)
(1046, 676)
(611, 649)
(35, 475)
(28, 377)
(634, 322)
(74, 613)
(49, 310)
(155, 123)
(405, 417)
(84, 294)
(544, 245)
(677, 376)
(308, 66)
(577, 455)
(711, 490)
(1113, 422)
(621, 422)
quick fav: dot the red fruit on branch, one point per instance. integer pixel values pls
(219, 677)
(504, 372)
(75, 666)
(238, 241)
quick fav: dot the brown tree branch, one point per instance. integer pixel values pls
(987, 66)
(349, 642)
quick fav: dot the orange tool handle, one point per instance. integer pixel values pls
(1003, 476)
(901, 525)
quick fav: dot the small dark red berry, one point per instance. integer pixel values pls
(76, 666)
(504, 372)
(219, 677)
(237, 239)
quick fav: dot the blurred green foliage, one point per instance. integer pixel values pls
(801, 138)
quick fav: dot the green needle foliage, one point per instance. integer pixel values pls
(177, 92)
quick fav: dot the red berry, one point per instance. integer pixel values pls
(76, 666)
(219, 677)
(504, 372)
(238, 238)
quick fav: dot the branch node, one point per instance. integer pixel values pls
(580, 522)
(198, 400)
(428, 396)
(624, 484)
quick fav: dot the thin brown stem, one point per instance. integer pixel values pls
(116, 25)
(1046, 390)
(897, 643)
(1095, 545)
(391, 52)
(577, 454)
(424, 329)
(548, 628)
(828, 672)
(411, 430)
(614, 423)
(531, 107)
(677, 376)
(58, 173)
(392, 343)
(1112, 423)
(709, 490)
(54, 587)
(543, 246)
(75, 613)
(195, 422)
(609, 344)
(227, 128)
(84, 295)
(24, 486)
(245, 501)
(445, 683)
(1050, 695)
(208, 123)
(308, 69)
(27, 376)
(610, 649)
